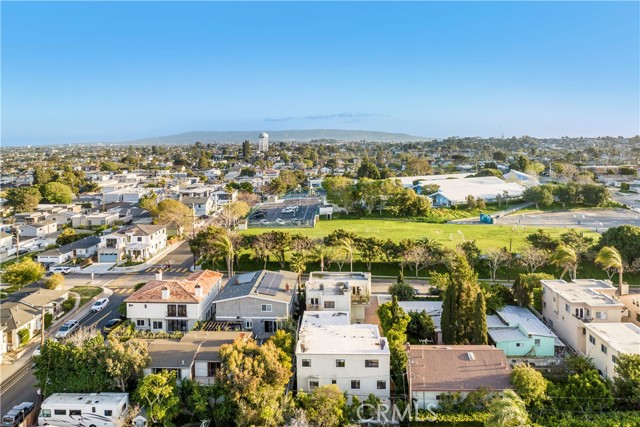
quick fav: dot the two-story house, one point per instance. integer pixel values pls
(332, 350)
(262, 300)
(174, 305)
(337, 291)
(200, 205)
(138, 242)
(568, 306)
(607, 341)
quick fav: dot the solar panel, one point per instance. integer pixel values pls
(245, 278)
(270, 284)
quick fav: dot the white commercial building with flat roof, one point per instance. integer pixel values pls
(607, 341)
(569, 306)
(331, 350)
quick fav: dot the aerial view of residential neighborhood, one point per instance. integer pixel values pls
(320, 214)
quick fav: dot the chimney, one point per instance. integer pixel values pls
(198, 291)
(165, 292)
(287, 288)
(159, 275)
(623, 289)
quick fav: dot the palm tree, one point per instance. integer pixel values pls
(508, 411)
(348, 248)
(225, 246)
(322, 254)
(610, 259)
(566, 258)
(298, 264)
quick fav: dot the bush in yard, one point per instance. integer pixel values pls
(48, 319)
(69, 303)
(24, 335)
(54, 281)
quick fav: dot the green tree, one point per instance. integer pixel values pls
(539, 195)
(392, 316)
(420, 326)
(195, 398)
(56, 192)
(449, 321)
(508, 411)
(402, 291)
(625, 238)
(626, 383)
(610, 259)
(173, 213)
(54, 281)
(480, 321)
(325, 406)
(584, 392)
(339, 191)
(67, 235)
(23, 272)
(370, 249)
(369, 193)
(23, 199)
(566, 258)
(458, 306)
(525, 285)
(368, 170)
(284, 341)
(158, 393)
(543, 241)
(298, 264)
(254, 378)
(529, 384)
(42, 175)
(125, 362)
(348, 248)
(417, 166)
(24, 335)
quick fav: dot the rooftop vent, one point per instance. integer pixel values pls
(471, 356)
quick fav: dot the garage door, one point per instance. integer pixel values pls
(109, 257)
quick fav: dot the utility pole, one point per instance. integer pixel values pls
(16, 232)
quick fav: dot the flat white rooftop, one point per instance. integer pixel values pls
(86, 398)
(588, 291)
(623, 337)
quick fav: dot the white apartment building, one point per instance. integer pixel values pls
(331, 350)
(95, 219)
(337, 291)
(174, 305)
(569, 306)
(607, 341)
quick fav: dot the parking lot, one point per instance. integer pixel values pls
(593, 219)
(287, 214)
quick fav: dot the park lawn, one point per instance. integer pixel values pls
(86, 293)
(486, 236)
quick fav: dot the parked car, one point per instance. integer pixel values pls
(36, 352)
(23, 251)
(264, 222)
(280, 221)
(68, 328)
(17, 414)
(111, 324)
(100, 304)
(58, 269)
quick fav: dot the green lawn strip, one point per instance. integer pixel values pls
(486, 236)
(86, 293)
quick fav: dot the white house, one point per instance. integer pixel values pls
(6, 241)
(435, 370)
(337, 291)
(331, 350)
(83, 248)
(607, 341)
(569, 306)
(174, 305)
(488, 188)
(40, 229)
(138, 242)
(95, 219)
(200, 205)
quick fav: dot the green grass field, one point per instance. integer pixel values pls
(86, 293)
(486, 236)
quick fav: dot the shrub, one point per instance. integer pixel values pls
(68, 304)
(48, 319)
(24, 335)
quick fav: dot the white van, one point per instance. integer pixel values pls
(84, 410)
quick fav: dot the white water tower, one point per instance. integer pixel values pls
(263, 142)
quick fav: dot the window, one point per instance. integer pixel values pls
(614, 359)
(566, 307)
(108, 412)
(212, 368)
(248, 324)
(45, 413)
(518, 344)
(266, 308)
(182, 310)
(59, 412)
(306, 363)
(313, 385)
(174, 325)
(580, 313)
(93, 409)
(537, 342)
(157, 325)
(334, 382)
(76, 412)
(371, 363)
(139, 239)
(603, 348)
(638, 317)
(592, 339)
(601, 314)
(140, 322)
(544, 304)
(355, 384)
(329, 304)
(171, 310)
(340, 363)
(314, 301)
(382, 385)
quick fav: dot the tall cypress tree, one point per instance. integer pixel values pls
(449, 320)
(480, 321)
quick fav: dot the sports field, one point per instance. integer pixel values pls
(486, 236)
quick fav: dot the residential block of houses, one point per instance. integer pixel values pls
(262, 300)
(435, 370)
(83, 248)
(519, 333)
(332, 350)
(174, 305)
(337, 291)
(569, 306)
(607, 341)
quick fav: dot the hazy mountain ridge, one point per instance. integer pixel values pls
(207, 137)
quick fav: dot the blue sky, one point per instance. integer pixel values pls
(79, 72)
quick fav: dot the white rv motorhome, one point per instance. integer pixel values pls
(84, 410)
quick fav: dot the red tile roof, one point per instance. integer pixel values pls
(451, 369)
(179, 290)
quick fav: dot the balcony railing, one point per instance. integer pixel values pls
(364, 299)
(313, 307)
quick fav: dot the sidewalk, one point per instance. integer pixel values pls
(7, 370)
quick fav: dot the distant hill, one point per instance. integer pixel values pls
(207, 137)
